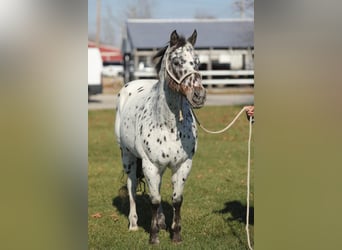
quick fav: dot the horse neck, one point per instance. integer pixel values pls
(170, 102)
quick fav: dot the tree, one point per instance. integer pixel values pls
(109, 27)
(245, 7)
(202, 15)
(114, 24)
(140, 9)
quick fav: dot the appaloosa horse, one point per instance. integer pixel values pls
(155, 129)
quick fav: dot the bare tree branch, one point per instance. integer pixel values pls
(245, 7)
(114, 21)
(140, 9)
(200, 14)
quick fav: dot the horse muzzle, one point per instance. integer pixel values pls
(197, 97)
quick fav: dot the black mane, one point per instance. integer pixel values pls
(160, 54)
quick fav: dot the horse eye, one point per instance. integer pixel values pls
(176, 61)
(197, 61)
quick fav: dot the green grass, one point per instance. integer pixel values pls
(214, 207)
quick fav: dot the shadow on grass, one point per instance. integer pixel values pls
(143, 205)
(238, 214)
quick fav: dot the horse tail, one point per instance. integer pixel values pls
(140, 176)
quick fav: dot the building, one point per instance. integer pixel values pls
(109, 53)
(222, 44)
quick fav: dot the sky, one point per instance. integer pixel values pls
(113, 16)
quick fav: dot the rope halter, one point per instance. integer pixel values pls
(176, 84)
(173, 78)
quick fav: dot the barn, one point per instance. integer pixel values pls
(225, 47)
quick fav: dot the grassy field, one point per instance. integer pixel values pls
(214, 207)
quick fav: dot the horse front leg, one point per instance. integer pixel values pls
(161, 218)
(153, 179)
(178, 180)
(176, 224)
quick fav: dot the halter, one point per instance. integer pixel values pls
(170, 74)
(179, 82)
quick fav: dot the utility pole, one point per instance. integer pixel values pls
(98, 22)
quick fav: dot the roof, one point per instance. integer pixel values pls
(212, 33)
(108, 53)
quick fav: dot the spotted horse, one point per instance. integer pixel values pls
(155, 129)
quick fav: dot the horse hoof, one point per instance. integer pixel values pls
(162, 226)
(154, 241)
(135, 228)
(176, 242)
(176, 239)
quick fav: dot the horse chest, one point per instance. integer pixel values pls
(168, 146)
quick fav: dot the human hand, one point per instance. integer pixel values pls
(250, 112)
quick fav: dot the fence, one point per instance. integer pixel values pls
(213, 77)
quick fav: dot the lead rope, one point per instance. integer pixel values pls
(248, 181)
(248, 160)
(222, 130)
(180, 110)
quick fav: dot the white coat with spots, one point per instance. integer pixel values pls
(155, 129)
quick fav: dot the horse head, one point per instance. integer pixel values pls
(181, 68)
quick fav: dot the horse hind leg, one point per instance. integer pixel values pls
(130, 167)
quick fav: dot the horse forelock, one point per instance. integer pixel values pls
(160, 54)
(181, 42)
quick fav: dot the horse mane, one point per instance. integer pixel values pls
(160, 54)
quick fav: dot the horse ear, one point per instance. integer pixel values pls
(192, 38)
(174, 38)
